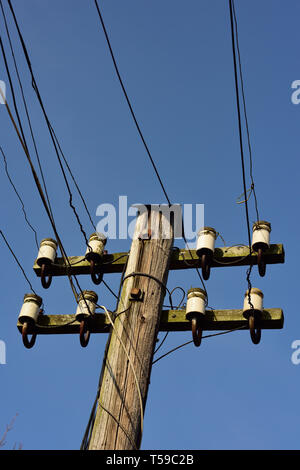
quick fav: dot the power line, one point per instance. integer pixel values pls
(203, 337)
(245, 112)
(139, 129)
(91, 421)
(17, 261)
(50, 127)
(241, 145)
(74, 180)
(19, 197)
(53, 135)
(42, 196)
(54, 141)
(129, 104)
(26, 108)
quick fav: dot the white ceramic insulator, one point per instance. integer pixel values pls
(47, 250)
(256, 297)
(97, 246)
(30, 310)
(85, 308)
(260, 235)
(195, 304)
(206, 239)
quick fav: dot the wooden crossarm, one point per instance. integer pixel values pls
(181, 259)
(171, 320)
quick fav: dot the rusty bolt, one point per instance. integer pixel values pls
(136, 293)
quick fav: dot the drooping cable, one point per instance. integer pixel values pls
(49, 125)
(74, 180)
(42, 196)
(26, 108)
(17, 261)
(129, 103)
(131, 365)
(203, 337)
(245, 111)
(139, 129)
(241, 146)
(19, 197)
(54, 139)
(172, 308)
(89, 428)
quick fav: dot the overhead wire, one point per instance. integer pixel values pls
(19, 197)
(140, 131)
(42, 196)
(131, 365)
(233, 43)
(129, 103)
(172, 308)
(17, 261)
(26, 108)
(89, 428)
(51, 130)
(54, 138)
(245, 112)
(203, 337)
(38, 184)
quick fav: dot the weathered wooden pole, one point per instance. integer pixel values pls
(124, 387)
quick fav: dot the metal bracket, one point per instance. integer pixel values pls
(136, 295)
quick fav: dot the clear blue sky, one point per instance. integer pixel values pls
(176, 61)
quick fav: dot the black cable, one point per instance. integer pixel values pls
(245, 112)
(241, 147)
(74, 180)
(150, 277)
(129, 104)
(17, 261)
(19, 197)
(89, 428)
(26, 109)
(12, 92)
(48, 210)
(139, 129)
(172, 308)
(203, 337)
(110, 289)
(42, 196)
(50, 128)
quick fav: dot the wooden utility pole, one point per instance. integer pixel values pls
(120, 414)
(127, 363)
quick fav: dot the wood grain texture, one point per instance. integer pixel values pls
(138, 330)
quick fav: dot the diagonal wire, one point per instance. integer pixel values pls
(55, 143)
(203, 337)
(73, 178)
(91, 421)
(58, 149)
(129, 103)
(245, 111)
(19, 197)
(50, 128)
(42, 196)
(139, 129)
(17, 261)
(241, 146)
(26, 109)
